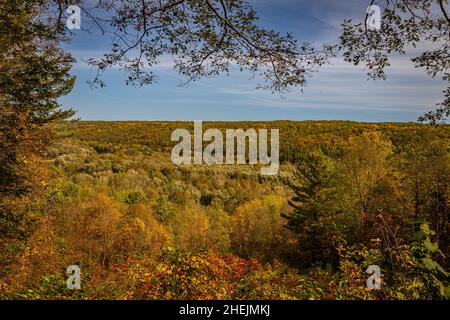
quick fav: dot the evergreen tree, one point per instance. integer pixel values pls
(33, 74)
(311, 215)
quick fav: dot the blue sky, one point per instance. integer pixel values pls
(338, 91)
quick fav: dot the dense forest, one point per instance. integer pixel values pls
(106, 197)
(356, 211)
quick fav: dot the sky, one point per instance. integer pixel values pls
(339, 91)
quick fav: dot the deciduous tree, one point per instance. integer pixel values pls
(405, 24)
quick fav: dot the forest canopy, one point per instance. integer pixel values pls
(105, 196)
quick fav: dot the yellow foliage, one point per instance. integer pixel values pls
(94, 227)
(142, 233)
(257, 226)
(189, 227)
(41, 256)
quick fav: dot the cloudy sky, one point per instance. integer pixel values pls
(338, 91)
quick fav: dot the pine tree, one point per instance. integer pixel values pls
(313, 189)
(33, 74)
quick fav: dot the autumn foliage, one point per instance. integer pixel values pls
(139, 227)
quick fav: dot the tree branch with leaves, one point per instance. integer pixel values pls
(405, 24)
(204, 38)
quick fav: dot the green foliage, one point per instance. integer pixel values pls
(433, 274)
(163, 212)
(134, 197)
(34, 73)
(312, 206)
